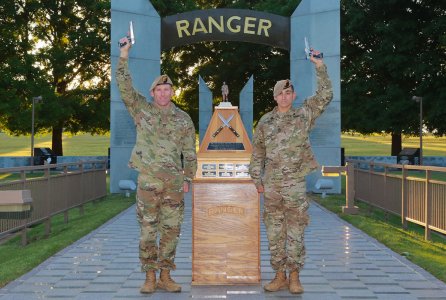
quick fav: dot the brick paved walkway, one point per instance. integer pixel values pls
(342, 263)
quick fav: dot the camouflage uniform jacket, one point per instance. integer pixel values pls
(281, 141)
(162, 135)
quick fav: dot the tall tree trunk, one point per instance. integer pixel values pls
(56, 142)
(396, 144)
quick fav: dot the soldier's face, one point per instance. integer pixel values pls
(285, 100)
(162, 94)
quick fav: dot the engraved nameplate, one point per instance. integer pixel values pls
(225, 174)
(209, 174)
(242, 167)
(209, 166)
(227, 167)
(229, 209)
(242, 174)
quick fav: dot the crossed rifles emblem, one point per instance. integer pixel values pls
(225, 123)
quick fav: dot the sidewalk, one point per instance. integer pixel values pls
(342, 263)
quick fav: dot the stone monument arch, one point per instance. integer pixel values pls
(318, 20)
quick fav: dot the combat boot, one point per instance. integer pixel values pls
(295, 286)
(149, 285)
(167, 283)
(279, 282)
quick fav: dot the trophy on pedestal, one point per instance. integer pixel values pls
(226, 210)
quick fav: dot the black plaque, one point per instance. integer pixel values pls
(124, 133)
(226, 146)
(225, 24)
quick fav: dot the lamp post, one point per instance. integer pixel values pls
(35, 100)
(420, 100)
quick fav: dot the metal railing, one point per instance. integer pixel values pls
(55, 188)
(412, 192)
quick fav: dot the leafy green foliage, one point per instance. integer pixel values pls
(391, 51)
(59, 50)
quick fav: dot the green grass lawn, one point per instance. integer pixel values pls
(89, 145)
(380, 145)
(5, 177)
(440, 176)
(78, 145)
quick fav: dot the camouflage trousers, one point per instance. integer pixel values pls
(285, 217)
(160, 213)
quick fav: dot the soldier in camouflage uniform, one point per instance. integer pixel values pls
(164, 132)
(281, 158)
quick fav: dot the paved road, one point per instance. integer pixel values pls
(342, 263)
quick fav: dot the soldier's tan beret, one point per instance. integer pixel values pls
(163, 79)
(282, 85)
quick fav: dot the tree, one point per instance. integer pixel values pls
(58, 49)
(391, 51)
(19, 78)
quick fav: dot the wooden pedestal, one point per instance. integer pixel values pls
(225, 232)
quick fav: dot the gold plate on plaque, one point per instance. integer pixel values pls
(225, 174)
(209, 174)
(242, 175)
(226, 167)
(242, 167)
(209, 166)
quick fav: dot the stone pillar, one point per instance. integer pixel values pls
(319, 21)
(144, 64)
(246, 105)
(204, 107)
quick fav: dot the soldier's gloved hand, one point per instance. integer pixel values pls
(125, 48)
(317, 61)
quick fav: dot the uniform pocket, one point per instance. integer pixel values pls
(149, 183)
